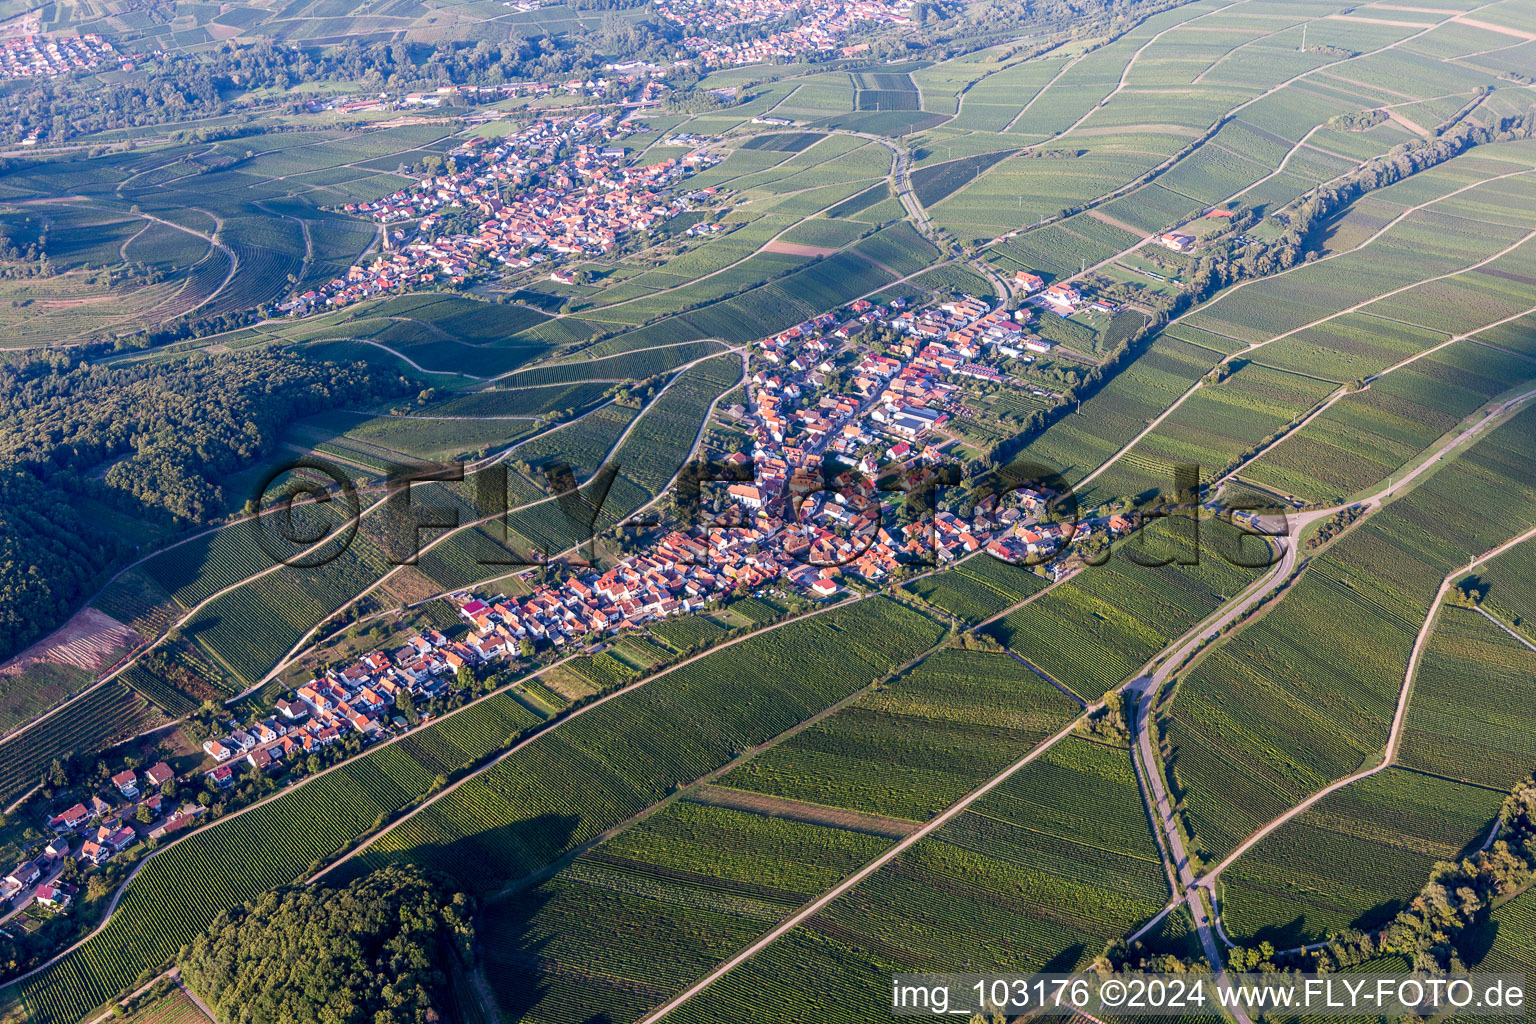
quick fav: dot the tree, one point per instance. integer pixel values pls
(465, 678)
(144, 814)
(370, 953)
(525, 647)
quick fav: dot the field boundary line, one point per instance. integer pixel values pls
(810, 909)
(1399, 717)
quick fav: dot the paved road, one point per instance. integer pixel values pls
(1395, 734)
(1145, 689)
(24, 895)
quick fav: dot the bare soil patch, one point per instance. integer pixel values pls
(796, 810)
(797, 249)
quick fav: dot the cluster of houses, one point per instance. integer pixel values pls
(357, 698)
(679, 574)
(820, 27)
(41, 871)
(107, 829)
(43, 56)
(556, 188)
(888, 424)
(1061, 298)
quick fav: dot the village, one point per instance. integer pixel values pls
(820, 400)
(88, 835)
(838, 409)
(552, 189)
(44, 56)
(819, 28)
(633, 84)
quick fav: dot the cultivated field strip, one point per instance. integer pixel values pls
(1279, 710)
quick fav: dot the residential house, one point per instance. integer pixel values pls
(159, 775)
(127, 783)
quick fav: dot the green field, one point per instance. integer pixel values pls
(1033, 877)
(1305, 693)
(979, 589)
(1467, 719)
(1354, 859)
(624, 755)
(686, 887)
(917, 746)
(1094, 630)
(1370, 434)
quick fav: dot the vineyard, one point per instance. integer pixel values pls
(522, 401)
(1212, 429)
(1075, 445)
(110, 713)
(686, 633)
(185, 885)
(686, 887)
(172, 1008)
(1371, 434)
(247, 630)
(626, 366)
(977, 589)
(1091, 632)
(663, 440)
(755, 610)
(133, 598)
(1469, 718)
(625, 754)
(937, 181)
(603, 671)
(1304, 695)
(1509, 935)
(1354, 859)
(1034, 877)
(205, 564)
(918, 744)
(177, 678)
(1511, 591)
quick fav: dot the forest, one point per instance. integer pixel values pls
(152, 440)
(370, 953)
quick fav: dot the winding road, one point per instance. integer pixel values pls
(1147, 686)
